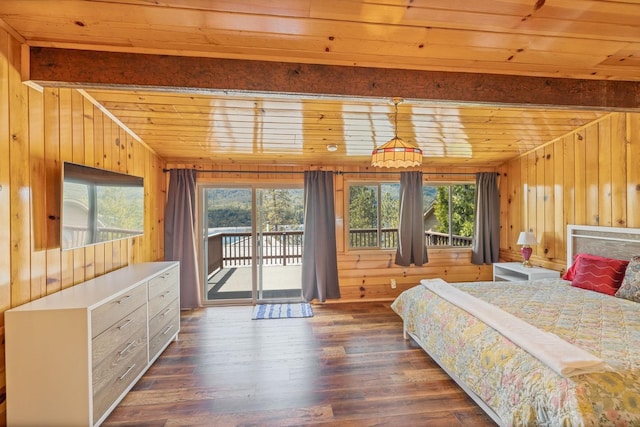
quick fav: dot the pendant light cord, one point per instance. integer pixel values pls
(396, 120)
(396, 101)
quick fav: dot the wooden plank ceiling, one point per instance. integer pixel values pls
(576, 39)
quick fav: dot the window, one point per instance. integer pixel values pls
(374, 211)
(449, 214)
(373, 215)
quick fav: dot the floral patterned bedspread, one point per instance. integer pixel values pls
(517, 386)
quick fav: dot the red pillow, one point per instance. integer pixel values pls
(597, 273)
(571, 271)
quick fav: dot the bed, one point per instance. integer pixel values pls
(512, 385)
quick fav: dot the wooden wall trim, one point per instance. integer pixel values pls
(54, 66)
(13, 33)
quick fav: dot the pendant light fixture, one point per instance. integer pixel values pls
(397, 153)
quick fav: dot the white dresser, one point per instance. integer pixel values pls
(73, 355)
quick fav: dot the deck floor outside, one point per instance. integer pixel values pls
(278, 282)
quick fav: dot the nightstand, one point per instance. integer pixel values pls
(513, 271)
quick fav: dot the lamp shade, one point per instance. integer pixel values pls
(526, 238)
(396, 154)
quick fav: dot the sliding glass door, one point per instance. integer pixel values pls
(279, 237)
(227, 246)
(251, 243)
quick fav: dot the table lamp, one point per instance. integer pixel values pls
(526, 239)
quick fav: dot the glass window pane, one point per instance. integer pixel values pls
(390, 204)
(390, 213)
(436, 217)
(463, 211)
(228, 208)
(431, 222)
(363, 216)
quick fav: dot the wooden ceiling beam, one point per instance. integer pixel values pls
(68, 67)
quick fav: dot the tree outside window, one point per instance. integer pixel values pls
(457, 222)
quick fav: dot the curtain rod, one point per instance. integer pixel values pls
(393, 173)
(337, 172)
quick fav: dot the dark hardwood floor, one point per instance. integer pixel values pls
(346, 366)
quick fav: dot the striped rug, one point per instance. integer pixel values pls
(282, 311)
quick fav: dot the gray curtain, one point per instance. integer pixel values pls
(319, 258)
(179, 233)
(411, 242)
(486, 240)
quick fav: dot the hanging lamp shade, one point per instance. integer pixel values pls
(396, 153)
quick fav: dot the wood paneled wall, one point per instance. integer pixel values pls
(589, 177)
(363, 275)
(38, 131)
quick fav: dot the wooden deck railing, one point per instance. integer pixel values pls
(367, 238)
(231, 249)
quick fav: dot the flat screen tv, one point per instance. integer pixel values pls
(99, 206)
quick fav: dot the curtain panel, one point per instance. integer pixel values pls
(179, 234)
(319, 257)
(411, 240)
(486, 236)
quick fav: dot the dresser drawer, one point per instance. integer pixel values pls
(114, 375)
(160, 320)
(118, 335)
(157, 303)
(115, 309)
(111, 366)
(164, 281)
(157, 342)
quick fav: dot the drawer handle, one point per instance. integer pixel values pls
(126, 348)
(127, 372)
(121, 300)
(166, 331)
(167, 311)
(164, 294)
(125, 324)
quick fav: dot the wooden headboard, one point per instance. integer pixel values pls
(612, 242)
